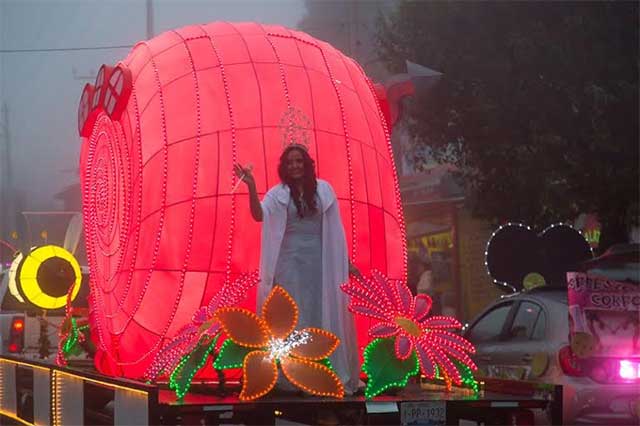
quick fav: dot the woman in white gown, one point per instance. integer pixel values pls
(304, 250)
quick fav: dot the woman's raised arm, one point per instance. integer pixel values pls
(245, 174)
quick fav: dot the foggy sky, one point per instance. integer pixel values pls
(40, 87)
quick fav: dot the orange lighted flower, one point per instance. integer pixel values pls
(275, 340)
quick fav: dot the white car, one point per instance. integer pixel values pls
(525, 336)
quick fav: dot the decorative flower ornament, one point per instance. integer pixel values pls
(260, 343)
(186, 353)
(403, 319)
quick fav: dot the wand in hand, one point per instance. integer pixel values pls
(241, 176)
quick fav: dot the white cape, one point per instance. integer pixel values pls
(335, 271)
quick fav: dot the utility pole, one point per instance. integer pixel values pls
(6, 186)
(352, 22)
(355, 39)
(150, 19)
(4, 143)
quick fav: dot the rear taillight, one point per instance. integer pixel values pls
(629, 370)
(16, 335)
(601, 370)
(611, 370)
(569, 362)
(17, 324)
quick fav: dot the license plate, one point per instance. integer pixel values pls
(427, 413)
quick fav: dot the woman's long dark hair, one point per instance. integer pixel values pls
(309, 182)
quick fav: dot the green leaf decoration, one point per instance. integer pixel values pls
(327, 363)
(76, 350)
(384, 369)
(466, 375)
(190, 364)
(72, 338)
(231, 355)
(468, 380)
(73, 345)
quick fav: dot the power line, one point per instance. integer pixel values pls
(65, 49)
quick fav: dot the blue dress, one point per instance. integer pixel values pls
(299, 265)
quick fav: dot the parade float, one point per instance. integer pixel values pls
(173, 251)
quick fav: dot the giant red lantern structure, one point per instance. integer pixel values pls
(161, 131)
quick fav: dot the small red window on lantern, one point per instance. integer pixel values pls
(110, 92)
(98, 86)
(117, 92)
(84, 110)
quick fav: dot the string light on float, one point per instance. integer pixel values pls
(203, 326)
(46, 274)
(280, 348)
(13, 271)
(486, 252)
(262, 343)
(177, 381)
(406, 338)
(517, 258)
(568, 225)
(373, 356)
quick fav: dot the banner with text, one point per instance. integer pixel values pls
(604, 316)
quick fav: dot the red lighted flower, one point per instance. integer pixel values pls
(404, 317)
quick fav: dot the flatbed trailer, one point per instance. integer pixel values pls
(39, 393)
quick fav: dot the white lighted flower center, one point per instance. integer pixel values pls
(280, 348)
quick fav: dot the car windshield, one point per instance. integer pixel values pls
(529, 317)
(490, 325)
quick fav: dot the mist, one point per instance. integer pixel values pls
(48, 51)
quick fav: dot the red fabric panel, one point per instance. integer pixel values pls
(151, 314)
(192, 291)
(361, 177)
(363, 253)
(378, 245)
